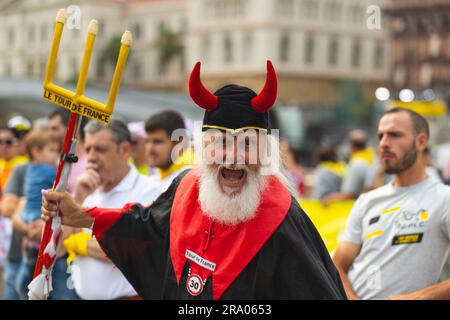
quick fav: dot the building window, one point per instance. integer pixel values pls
(398, 26)
(356, 54)
(161, 27)
(309, 49)
(137, 32)
(137, 70)
(284, 47)
(248, 47)
(206, 49)
(228, 49)
(445, 23)
(44, 32)
(284, 8)
(11, 36)
(378, 58)
(333, 51)
(209, 10)
(423, 25)
(183, 26)
(240, 8)
(8, 70)
(227, 8)
(74, 68)
(332, 12)
(399, 76)
(161, 69)
(42, 67)
(101, 28)
(29, 68)
(100, 68)
(357, 14)
(30, 34)
(310, 9)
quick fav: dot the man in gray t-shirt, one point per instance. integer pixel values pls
(360, 160)
(398, 236)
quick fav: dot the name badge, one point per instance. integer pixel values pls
(202, 262)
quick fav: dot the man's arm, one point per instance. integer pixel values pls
(13, 191)
(343, 259)
(86, 184)
(338, 196)
(18, 224)
(9, 204)
(82, 244)
(352, 184)
(439, 291)
(74, 215)
(95, 251)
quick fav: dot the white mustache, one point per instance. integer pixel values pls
(234, 166)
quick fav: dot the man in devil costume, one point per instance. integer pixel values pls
(224, 230)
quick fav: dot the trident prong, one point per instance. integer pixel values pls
(92, 33)
(76, 102)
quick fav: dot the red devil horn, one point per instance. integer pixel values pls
(201, 96)
(266, 98)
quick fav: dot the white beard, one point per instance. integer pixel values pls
(224, 207)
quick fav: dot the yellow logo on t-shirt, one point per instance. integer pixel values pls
(424, 216)
(407, 238)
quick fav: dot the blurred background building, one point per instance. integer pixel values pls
(329, 62)
(331, 55)
(27, 30)
(420, 59)
(420, 33)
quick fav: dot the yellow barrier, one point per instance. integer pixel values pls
(425, 108)
(329, 220)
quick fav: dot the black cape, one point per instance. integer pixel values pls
(292, 264)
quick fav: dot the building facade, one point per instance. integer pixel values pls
(330, 55)
(27, 30)
(313, 44)
(420, 40)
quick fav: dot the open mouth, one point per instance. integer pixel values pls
(232, 177)
(232, 174)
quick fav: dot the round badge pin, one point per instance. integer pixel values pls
(194, 285)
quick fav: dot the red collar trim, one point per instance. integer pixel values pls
(230, 248)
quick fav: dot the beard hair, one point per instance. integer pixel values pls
(226, 207)
(406, 162)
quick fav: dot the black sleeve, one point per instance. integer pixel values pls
(306, 270)
(138, 242)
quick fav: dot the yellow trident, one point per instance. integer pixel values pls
(79, 105)
(76, 102)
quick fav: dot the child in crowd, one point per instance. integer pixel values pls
(43, 151)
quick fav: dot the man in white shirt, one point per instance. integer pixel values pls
(398, 236)
(166, 155)
(109, 181)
